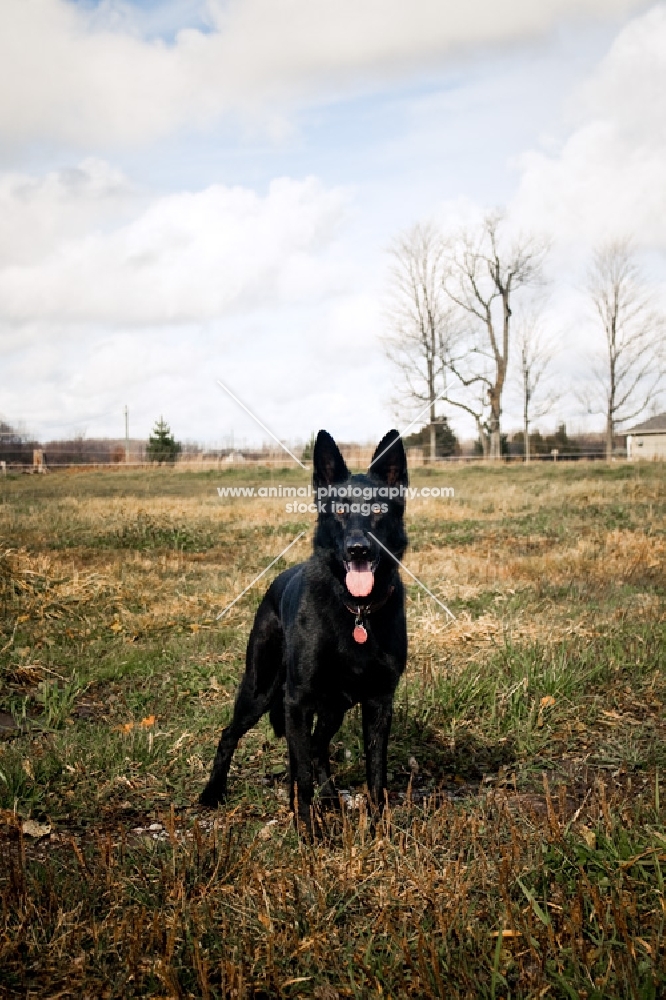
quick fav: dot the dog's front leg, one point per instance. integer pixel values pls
(328, 723)
(377, 716)
(299, 726)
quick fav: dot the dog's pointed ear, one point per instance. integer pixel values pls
(328, 464)
(389, 461)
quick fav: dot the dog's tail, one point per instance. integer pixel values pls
(276, 712)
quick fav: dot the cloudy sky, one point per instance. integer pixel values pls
(193, 190)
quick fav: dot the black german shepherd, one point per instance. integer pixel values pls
(331, 631)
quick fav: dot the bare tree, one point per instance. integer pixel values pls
(630, 375)
(419, 318)
(535, 355)
(483, 273)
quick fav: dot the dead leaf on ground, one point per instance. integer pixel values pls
(266, 830)
(31, 828)
(127, 727)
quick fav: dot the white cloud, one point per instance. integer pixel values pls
(37, 213)
(82, 77)
(608, 178)
(150, 305)
(192, 256)
(296, 369)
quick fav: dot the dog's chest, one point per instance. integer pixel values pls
(353, 671)
(324, 654)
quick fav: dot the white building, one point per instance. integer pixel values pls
(647, 440)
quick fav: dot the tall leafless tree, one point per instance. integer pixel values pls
(483, 273)
(535, 354)
(629, 375)
(418, 315)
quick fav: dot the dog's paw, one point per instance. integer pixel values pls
(211, 797)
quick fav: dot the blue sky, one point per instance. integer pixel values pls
(192, 191)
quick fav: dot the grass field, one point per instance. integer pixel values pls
(523, 853)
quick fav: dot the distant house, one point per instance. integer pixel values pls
(647, 440)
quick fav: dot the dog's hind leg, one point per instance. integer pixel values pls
(249, 708)
(299, 729)
(258, 689)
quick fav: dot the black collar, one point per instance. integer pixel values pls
(361, 610)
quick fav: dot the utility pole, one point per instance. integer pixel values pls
(127, 447)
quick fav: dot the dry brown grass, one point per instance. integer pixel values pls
(523, 848)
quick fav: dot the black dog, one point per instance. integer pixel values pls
(331, 631)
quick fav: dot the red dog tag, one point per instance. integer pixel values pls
(360, 634)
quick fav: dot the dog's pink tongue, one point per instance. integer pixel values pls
(359, 582)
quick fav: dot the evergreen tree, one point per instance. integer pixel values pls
(161, 444)
(446, 442)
